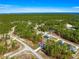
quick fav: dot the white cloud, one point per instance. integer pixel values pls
(5, 6)
(37, 10)
(76, 7)
(17, 9)
(28, 10)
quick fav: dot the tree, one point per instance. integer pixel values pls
(56, 50)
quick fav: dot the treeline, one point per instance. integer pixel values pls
(53, 22)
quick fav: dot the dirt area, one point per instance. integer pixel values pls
(25, 55)
(31, 44)
(44, 55)
(1, 57)
(9, 48)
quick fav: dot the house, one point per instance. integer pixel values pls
(72, 48)
(69, 26)
(48, 36)
(41, 44)
(61, 42)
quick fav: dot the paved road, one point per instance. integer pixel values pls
(13, 52)
(39, 48)
(26, 46)
(38, 56)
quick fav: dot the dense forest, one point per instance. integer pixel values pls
(54, 22)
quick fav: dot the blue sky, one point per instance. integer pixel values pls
(34, 6)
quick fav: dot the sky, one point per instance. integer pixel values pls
(38, 6)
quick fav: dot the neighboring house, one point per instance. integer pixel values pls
(69, 26)
(72, 48)
(48, 36)
(61, 42)
(41, 43)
